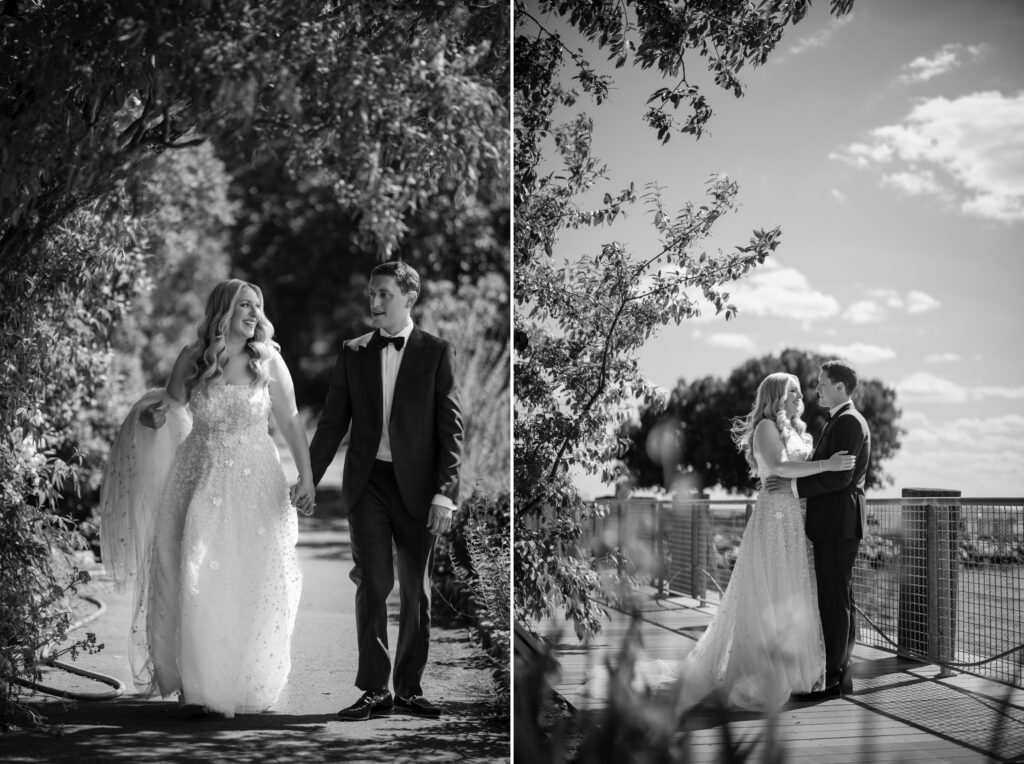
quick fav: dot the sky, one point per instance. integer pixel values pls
(889, 147)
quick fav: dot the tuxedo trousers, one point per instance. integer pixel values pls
(378, 519)
(833, 571)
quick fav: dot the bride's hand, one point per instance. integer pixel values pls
(303, 495)
(154, 416)
(840, 461)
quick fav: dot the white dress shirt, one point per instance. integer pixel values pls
(390, 362)
(831, 415)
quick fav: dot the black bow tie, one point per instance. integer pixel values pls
(828, 414)
(380, 341)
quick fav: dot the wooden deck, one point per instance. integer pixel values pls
(901, 711)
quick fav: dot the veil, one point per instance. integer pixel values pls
(133, 482)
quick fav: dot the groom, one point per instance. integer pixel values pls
(395, 387)
(835, 522)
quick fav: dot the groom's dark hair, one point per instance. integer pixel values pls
(841, 371)
(403, 274)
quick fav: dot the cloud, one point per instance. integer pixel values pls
(980, 456)
(944, 60)
(924, 387)
(731, 340)
(773, 290)
(859, 352)
(914, 183)
(820, 39)
(919, 302)
(865, 312)
(880, 302)
(927, 388)
(862, 155)
(838, 195)
(967, 150)
(1013, 393)
(942, 357)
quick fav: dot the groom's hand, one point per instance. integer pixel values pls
(439, 520)
(776, 484)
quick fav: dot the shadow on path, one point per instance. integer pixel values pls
(139, 730)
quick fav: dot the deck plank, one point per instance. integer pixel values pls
(902, 711)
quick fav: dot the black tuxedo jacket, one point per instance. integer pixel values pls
(835, 500)
(425, 428)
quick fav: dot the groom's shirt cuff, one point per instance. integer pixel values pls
(792, 484)
(444, 501)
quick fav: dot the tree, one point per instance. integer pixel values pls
(384, 107)
(578, 326)
(386, 103)
(182, 197)
(691, 435)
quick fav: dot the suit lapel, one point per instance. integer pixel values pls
(826, 430)
(411, 361)
(372, 375)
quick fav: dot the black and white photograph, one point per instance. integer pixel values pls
(768, 472)
(255, 381)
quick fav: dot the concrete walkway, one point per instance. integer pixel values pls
(302, 727)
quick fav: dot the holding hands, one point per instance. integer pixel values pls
(303, 496)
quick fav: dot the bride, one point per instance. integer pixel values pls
(195, 509)
(765, 642)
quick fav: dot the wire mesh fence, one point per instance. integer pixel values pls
(939, 578)
(942, 579)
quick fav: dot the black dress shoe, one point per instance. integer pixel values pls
(832, 691)
(187, 711)
(846, 682)
(379, 703)
(417, 705)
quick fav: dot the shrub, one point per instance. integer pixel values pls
(636, 726)
(474, 318)
(471, 572)
(58, 305)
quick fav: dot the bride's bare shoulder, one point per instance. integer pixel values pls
(766, 426)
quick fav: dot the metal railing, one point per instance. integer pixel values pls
(938, 578)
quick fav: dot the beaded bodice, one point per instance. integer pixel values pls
(230, 413)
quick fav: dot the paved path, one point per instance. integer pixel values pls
(302, 727)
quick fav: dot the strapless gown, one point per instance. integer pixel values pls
(218, 588)
(765, 642)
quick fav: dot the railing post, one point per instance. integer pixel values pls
(620, 535)
(686, 542)
(928, 583)
(701, 526)
(658, 549)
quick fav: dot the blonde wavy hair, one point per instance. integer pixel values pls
(211, 345)
(768, 404)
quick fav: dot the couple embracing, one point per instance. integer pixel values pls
(196, 511)
(785, 628)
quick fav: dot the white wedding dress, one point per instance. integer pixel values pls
(197, 515)
(765, 642)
